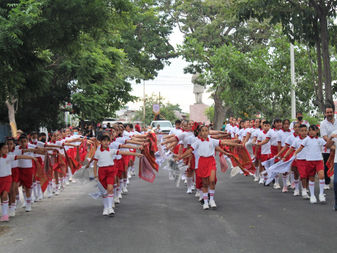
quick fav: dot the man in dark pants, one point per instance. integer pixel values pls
(328, 125)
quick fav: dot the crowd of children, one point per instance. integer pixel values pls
(295, 151)
(41, 167)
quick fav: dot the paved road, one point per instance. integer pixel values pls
(159, 217)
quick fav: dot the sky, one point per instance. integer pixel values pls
(175, 86)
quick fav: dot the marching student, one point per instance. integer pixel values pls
(6, 178)
(105, 171)
(205, 148)
(265, 144)
(285, 152)
(333, 137)
(314, 164)
(282, 136)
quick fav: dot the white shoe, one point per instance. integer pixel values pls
(313, 199)
(212, 203)
(113, 204)
(305, 195)
(326, 187)
(276, 186)
(116, 200)
(197, 194)
(322, 198)
(129, 175)
(285, 189)
(106, 212)
(256, 178)
(28, 208)
(193, 187)
(73, 181)
(111, 212)
(23, 204)
(67, 182)
(125, 190)
(120, 195)
(205, 206)
(127, 181)
(288, 183)
(11, 212)
(133, 173)
(189, 191)
(50, 195)
(40, 197)
(57, 192)
(261, 180)
(296, 193)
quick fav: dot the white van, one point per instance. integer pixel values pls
(165, 126)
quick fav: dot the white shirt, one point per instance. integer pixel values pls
(175, 131)
(115, 145)
(283, 136)
(15, 162)
(241, 133)
(266, 148)
(314, 148)
(205, 148)
(6, 165)
(25, 163)
(105, 157)
(291, 139)
(273, 134)
(326, 129)
(183, 138)
(335, 141)
(298, 143)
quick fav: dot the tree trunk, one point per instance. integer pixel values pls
(219, 109)
(10, 102)
(320, 99)
(326, 57)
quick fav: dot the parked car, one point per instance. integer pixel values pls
(165, 126)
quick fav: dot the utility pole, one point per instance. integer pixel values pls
(293, 81)
(144, 103)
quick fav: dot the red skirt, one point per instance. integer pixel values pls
(301, 167)
(265, 157)
(274, 150)
(26, 177)
(126, 159)
(5, 184)
(176, 149)
(313, 167)
(106, 175)
(15, 175)
(205, 166)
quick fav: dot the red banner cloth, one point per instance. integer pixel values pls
(146, 170)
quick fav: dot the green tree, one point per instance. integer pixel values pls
(167, 110)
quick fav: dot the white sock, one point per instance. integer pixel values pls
(13, 207)
(312, 188)
(277, 179)
(115, 189)
(4, 206)
(39, 189)
(292, 177)
(105, 201)
(17, 198)
(124, 181)
(211, 193)
(284, 180)
(206, 198)
(321, 186)
(110, 200)
(29, 201)
(189, 182)
(297, 185)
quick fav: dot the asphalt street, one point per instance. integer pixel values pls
(159, 217)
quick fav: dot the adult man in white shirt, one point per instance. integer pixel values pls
(328, 125)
